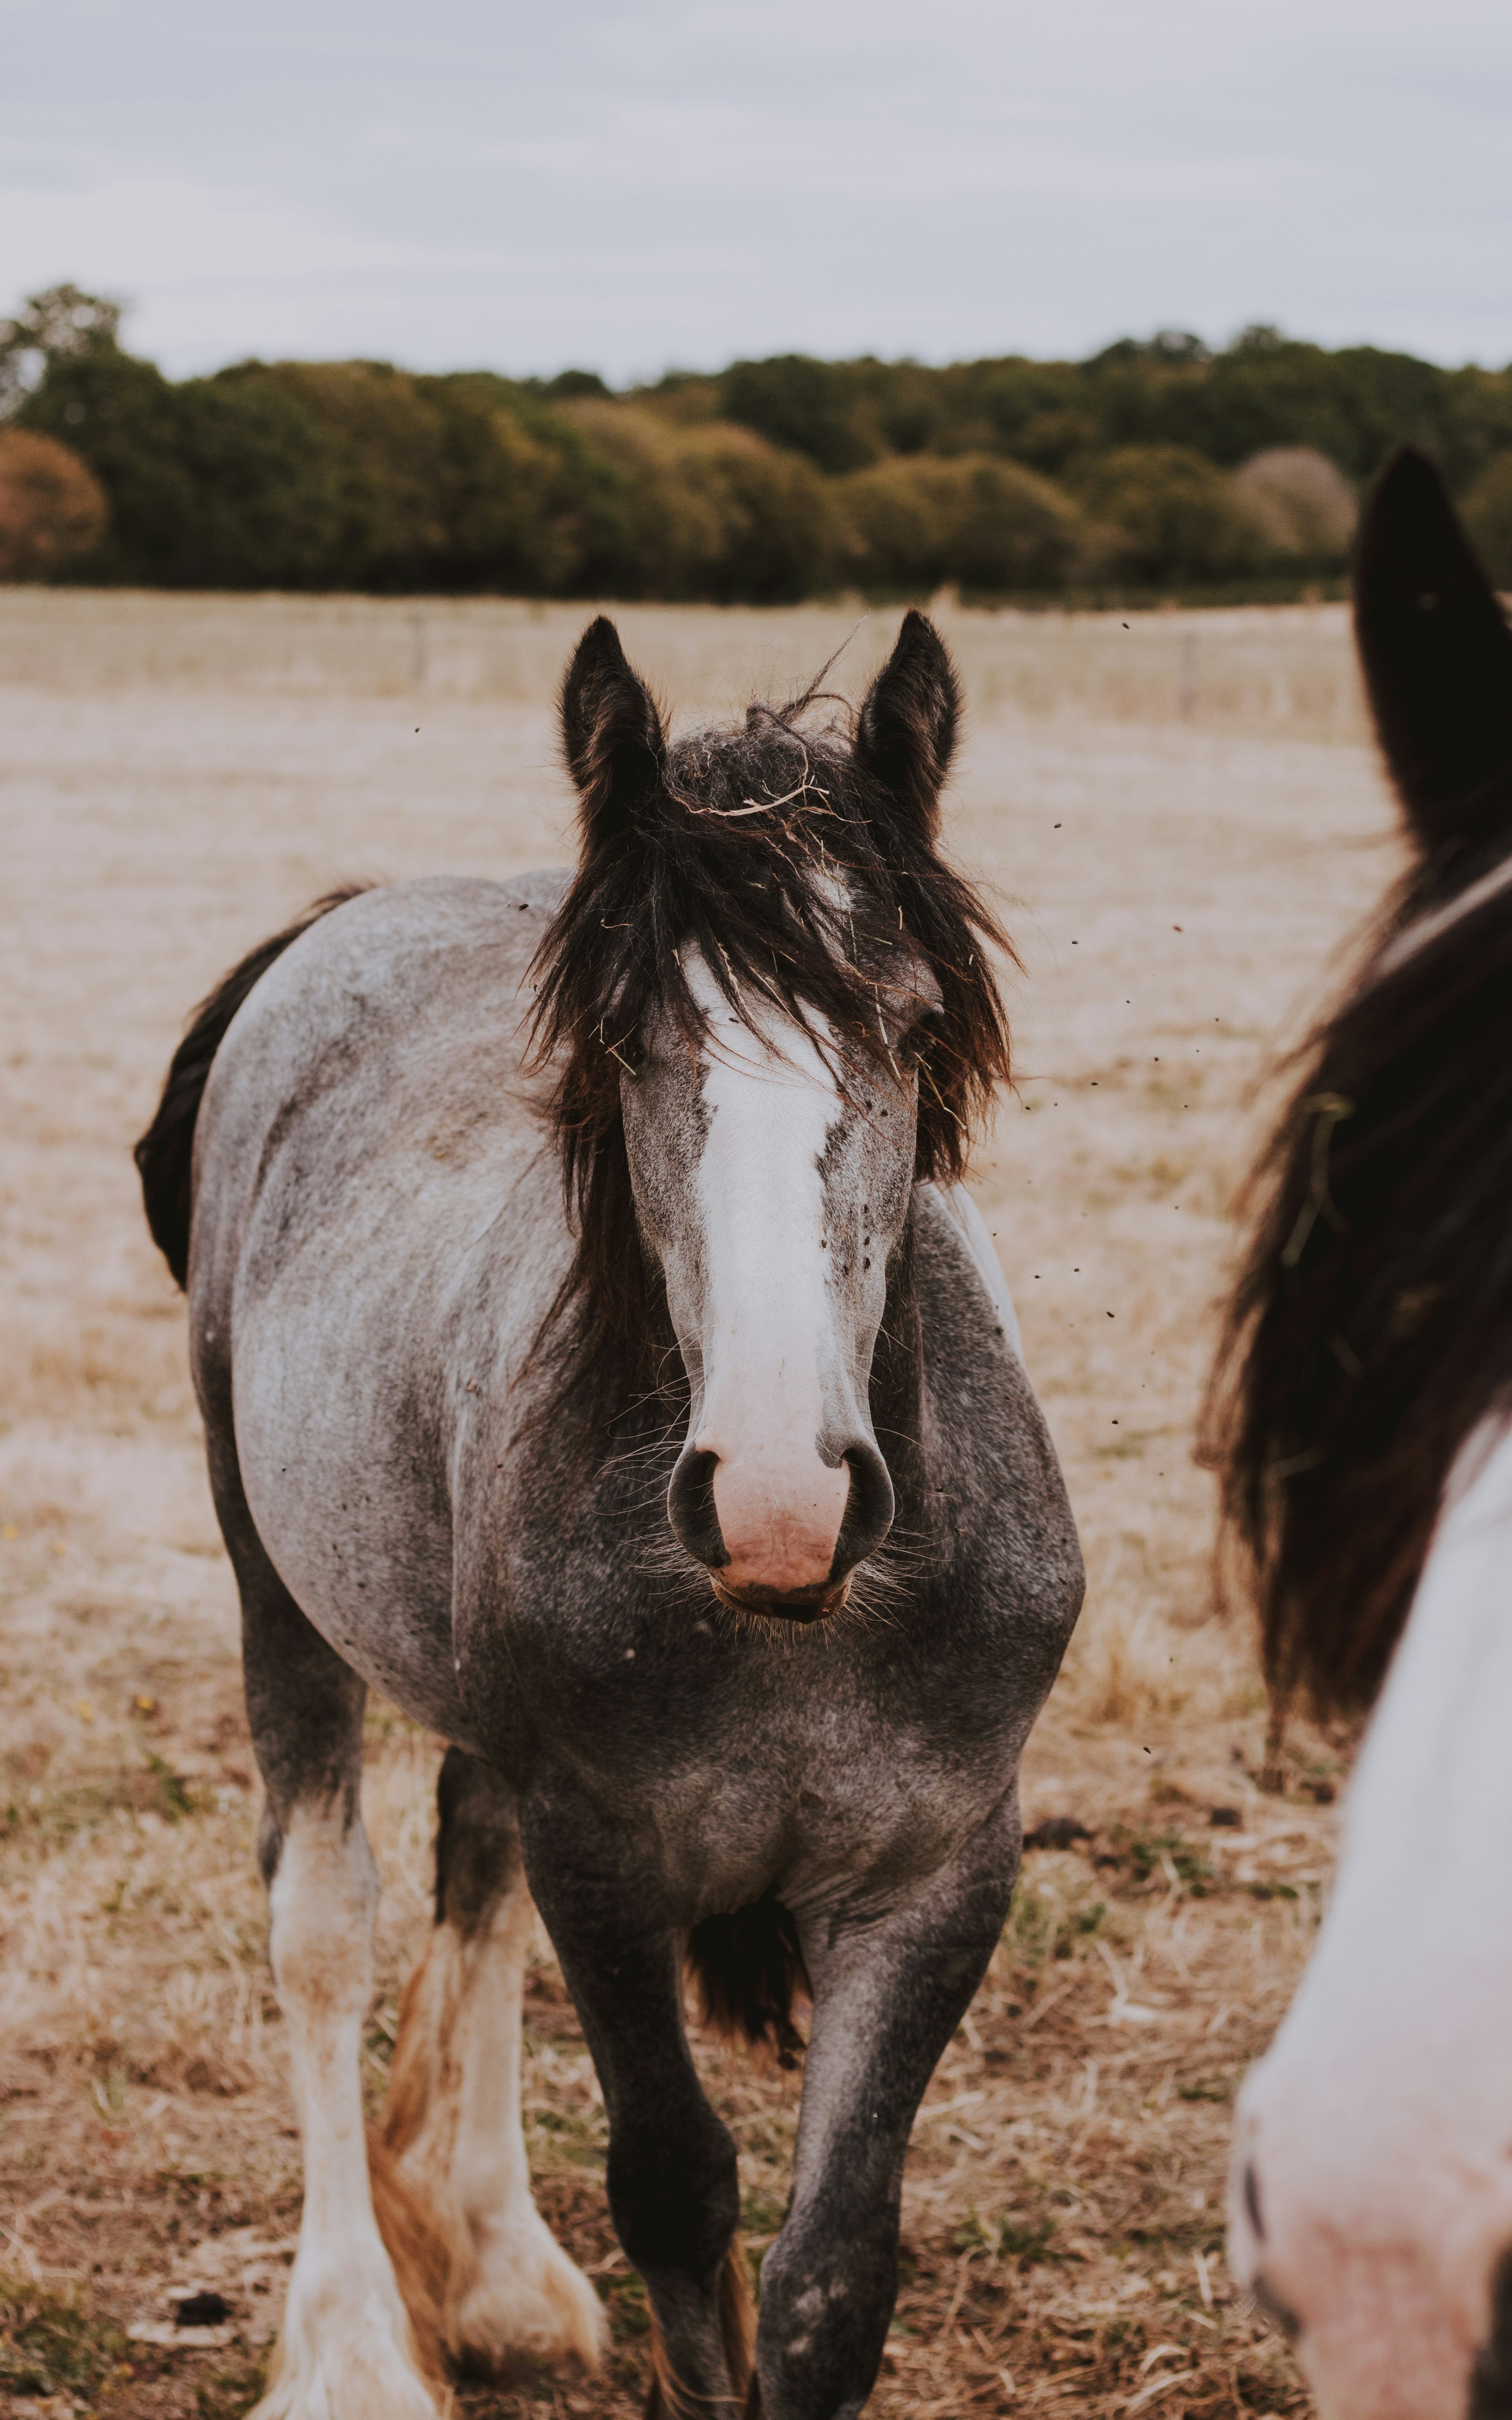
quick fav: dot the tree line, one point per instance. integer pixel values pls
(1155, 466)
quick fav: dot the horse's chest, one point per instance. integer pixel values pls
(828, 1802)
(822, 1838)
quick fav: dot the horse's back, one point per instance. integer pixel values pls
(387, 1040)
(369, 1165)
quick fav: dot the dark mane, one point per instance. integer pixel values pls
(1370, 1330)
(736, 842)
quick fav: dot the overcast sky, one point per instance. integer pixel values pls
(656, 182)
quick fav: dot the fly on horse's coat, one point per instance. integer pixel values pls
(1361, 1421)
(599, 1354)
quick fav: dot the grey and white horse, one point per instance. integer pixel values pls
(599, 1356)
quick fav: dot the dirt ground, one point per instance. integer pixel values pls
(1184, 823)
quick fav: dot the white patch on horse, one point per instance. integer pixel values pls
(1379, 2127)
(979, 1243)
(772, 1095)
(347, 2351)
(1416, 936)
(453, 2129)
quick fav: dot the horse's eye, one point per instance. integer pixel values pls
(631, 1052)
(916, 1042)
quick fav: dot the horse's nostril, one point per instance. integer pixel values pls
(1490, 2390)
(868, 1508)
(1275, 2308)
(690, 1506)
(1252, 2201)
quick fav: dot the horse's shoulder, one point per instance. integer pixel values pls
(973, 1358)
(952, 1234)
(982, 1419)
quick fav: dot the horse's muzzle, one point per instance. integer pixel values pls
(800, 1604)
(784, 1557)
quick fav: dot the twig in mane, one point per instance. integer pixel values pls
(1327, 1110)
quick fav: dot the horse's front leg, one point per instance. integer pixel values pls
(889, 1994)
(351, 2347)
(451, 2126)
(672, 2187)
(347, 2348)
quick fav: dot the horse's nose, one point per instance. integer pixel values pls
(1490, 2390)
(1393, 2282)
(868, 1508)
(780, 1531)
(691, 1506)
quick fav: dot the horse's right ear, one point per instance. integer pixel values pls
(1437, 656)
(611, 734)
(905, 733)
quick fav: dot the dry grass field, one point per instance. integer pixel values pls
(1185, 823)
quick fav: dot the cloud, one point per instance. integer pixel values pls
(628, 185)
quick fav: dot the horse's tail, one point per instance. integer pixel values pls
(165, 1155)
(750, 1969)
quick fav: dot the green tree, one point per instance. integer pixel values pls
(1170, 516)
(62, 324)
(803, 406)
(211, 483)
(1489, 518)
(989, 524)
(645, 530)
(781, 523)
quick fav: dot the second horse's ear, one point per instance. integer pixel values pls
(611, 734)
(906, 731)
(1437, 658)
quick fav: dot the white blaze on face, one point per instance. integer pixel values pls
(770, 1099)
(1378, 2131)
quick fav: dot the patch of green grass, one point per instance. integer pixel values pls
(629, 2310)
(52, 2343)
(185, 2185)
(1177, 2240)
(1026, 2245)
(109, 2092)
(573, 2134)
(1031, 1930)
(763, 2211)
(54, 1816)
(232, 2387)
(1146, 1855)
(174, 1800)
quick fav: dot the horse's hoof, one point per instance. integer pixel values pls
(531, 2302)
(345, 2353)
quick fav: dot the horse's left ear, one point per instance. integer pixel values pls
(1436, 652)
(611, 734)
(906, 731)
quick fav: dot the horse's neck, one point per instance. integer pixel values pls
(898, 1407)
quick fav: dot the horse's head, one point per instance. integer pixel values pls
(770, 1009)
(1368, 1472)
